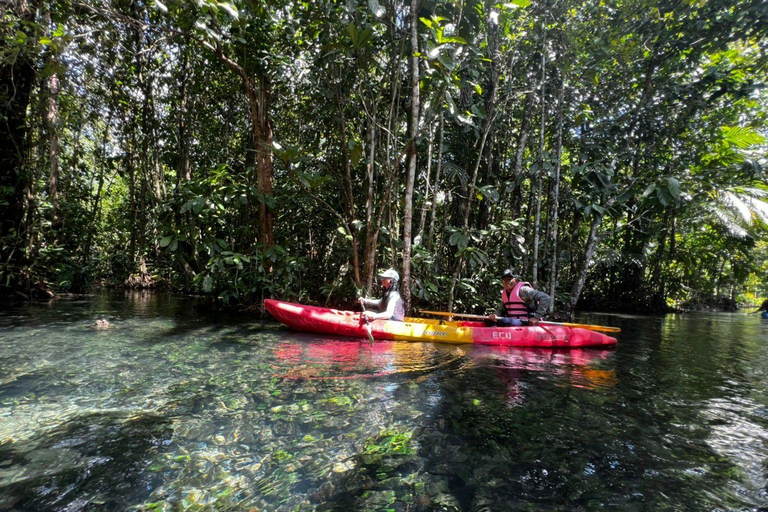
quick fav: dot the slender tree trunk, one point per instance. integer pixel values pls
(131, 171)
(540, 172)
(529, 225)
(263, 139)
(53, 86)
(556, 197)
(581, 277)
(96, 199)
(427, 188)
(438, 168)
(184, 171)
(525, 130)
(473, 185)
(349, 193)
(413, 133)
(371, 231)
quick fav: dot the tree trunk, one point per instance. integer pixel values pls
(261, 131)
(96, 199)
(372, 224)
(262, 136)
(581, 277)
(525, 130)
(53, 84)
(184, 171)
(473, 185)
(427, 188)
(413, 133)
(540, 172)
(556, 197)
(430, 235)
(349, 193)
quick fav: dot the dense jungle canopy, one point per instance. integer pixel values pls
(612, 152)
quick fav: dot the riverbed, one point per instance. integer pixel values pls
(163, 408)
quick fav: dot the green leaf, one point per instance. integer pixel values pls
(740, 137)
(459, 240)
(45, 41)
(166, 241)
(674, 187)
(198, 204)
(354, 34)
(451, 39)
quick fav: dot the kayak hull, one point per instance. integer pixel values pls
(348, 323)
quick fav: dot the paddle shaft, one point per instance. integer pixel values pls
(600, 328)
(462, 315)
(367, 322)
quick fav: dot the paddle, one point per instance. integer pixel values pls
(367, 322)
(600, 328)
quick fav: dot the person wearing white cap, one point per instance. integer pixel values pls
(390, 306)
(521, 304)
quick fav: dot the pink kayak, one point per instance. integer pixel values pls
(350, 323)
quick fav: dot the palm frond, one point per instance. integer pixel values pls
(741, 137)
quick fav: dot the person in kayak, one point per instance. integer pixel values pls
(520, 303)
(763, 307)
(390, 306)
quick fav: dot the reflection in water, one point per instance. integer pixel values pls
(168, 410)
(337, 358)
(576, 367)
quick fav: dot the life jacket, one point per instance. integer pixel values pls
(399, 311)
(516, 307)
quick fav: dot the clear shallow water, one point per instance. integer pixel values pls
(171, 410)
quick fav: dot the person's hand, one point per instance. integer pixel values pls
(370, 315)
(492, 317)
(533, 321)
(361, 301)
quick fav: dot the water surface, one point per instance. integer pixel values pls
(171, 410)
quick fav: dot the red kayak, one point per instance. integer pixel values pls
(350, 323)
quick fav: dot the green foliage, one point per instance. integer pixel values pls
(662, 148)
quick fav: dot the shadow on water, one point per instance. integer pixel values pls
(96, 461)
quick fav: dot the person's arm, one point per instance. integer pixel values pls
(541, 299)
(372, 303)
(501, 312)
